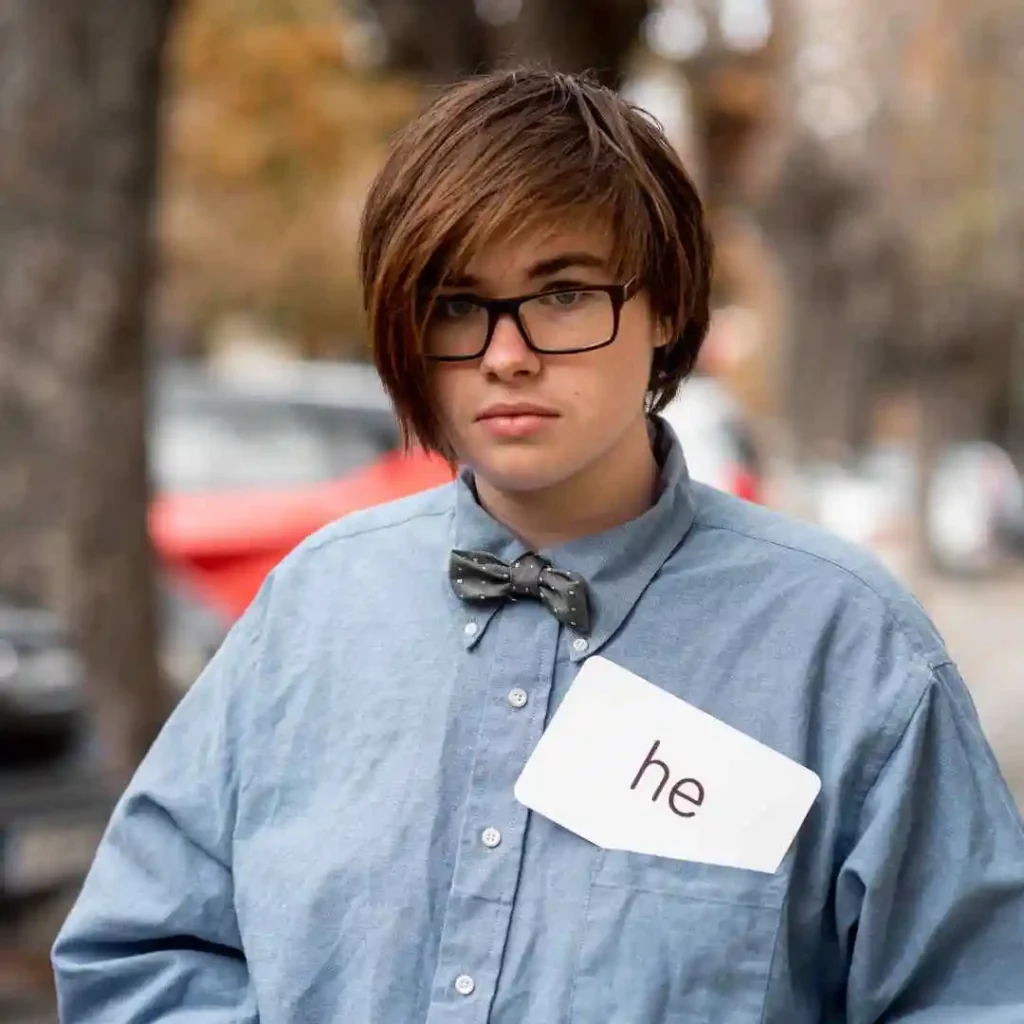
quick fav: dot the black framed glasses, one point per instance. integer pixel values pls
(560, 321)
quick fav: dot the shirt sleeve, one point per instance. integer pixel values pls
(153, 935)
(930, 899)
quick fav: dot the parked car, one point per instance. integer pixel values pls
(40, 683)
(42, 698)
(52, 806)
(975, 509)
(246, 467)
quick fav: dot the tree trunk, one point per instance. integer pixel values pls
(437, 42)
(447, 39)
(847, 286)
(80, 87)
(575, 37)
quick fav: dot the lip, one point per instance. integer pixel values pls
(511, 410)
(512, 420)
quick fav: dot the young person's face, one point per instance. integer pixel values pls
(526, 421)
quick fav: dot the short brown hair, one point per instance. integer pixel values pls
(506, 152)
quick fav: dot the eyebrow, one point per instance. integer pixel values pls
(540, 269)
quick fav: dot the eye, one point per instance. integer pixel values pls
(565, 299)
(456, 307)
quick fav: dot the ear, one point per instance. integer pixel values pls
(663, 335)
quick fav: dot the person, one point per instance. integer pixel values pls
(328, 827)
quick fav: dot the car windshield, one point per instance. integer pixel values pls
(212, 444)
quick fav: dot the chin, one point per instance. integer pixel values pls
(521, 469)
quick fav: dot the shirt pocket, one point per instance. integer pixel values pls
(674, 942)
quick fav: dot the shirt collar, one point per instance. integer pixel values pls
(617, 564)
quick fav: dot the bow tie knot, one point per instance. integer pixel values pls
(481, 576)
(524, 575)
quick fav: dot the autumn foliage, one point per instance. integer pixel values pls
(272, 140)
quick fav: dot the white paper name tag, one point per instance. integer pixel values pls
(629, 766)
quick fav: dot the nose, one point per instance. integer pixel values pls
(508, 355)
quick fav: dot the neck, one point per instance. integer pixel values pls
(616, 488)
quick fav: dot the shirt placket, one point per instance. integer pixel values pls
(517, 656)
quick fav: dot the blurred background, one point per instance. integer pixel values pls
(184, 392)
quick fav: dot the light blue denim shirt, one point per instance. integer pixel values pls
(304, 843)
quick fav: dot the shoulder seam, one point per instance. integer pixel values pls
(256, 648)
(846, 838)
(334, 538)
(974, 723)
(884, 761)
(931, 660)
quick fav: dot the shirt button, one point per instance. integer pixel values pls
(579, 644)
(491, 838)
(470, 629)
(517, 698)
(465, 985)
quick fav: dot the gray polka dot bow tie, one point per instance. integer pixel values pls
(480, 576)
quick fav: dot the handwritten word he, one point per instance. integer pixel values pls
(689, 790)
